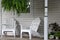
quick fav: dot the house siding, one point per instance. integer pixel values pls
(54, 11)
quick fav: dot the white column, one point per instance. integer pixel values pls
(46, 21)
(1, 18)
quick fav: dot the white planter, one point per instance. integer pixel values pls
(51, 36)
(57, 38)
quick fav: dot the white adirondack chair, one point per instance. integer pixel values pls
(33, 27)
(9, 26)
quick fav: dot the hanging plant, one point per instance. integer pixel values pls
(20, 6)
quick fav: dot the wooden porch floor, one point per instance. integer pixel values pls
(18, 38)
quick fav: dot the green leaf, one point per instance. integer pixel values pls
(20, 6)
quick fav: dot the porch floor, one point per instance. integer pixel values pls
(18, 38)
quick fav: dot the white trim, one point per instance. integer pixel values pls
(46, 3)
(46, 21)
(46, 11)
(45, 28)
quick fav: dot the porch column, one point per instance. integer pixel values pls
(46, 20)
(1, 18)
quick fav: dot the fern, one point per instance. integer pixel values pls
(20, 6)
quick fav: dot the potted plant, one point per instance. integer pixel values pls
(57, 34)
(18, 6)
(54, 28)
(51, 35)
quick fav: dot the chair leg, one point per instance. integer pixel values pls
(14, 35)
(21, 34)
(2, 34)
(30, 35)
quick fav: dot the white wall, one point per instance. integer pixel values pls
(54, 11)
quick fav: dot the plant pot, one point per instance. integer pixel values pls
(51, 37)
(57, 38)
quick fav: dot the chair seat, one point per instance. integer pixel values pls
(25, 30)
(8, 30)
